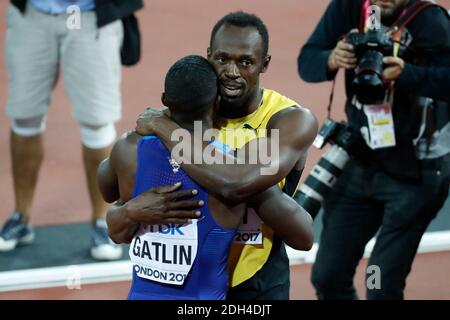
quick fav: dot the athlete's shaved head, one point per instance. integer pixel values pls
(243, 20)
(190, 86)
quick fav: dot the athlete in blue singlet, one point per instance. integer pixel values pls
(176, 261)
(181, 260)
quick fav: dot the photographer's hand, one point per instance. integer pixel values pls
(342, 56)
(394, 69)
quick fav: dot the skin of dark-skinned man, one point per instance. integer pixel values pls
(239, 57)
(119, 178)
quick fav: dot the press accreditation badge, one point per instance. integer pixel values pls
(381, 126)
(250, 230)
(165, 253)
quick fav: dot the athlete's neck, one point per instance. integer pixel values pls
(187, 122)
(244, 108)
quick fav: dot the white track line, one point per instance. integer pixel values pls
(72, 276)
(431, 242)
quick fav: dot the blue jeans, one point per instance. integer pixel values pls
(364, 201)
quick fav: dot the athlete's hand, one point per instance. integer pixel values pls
(342, 56)
(164, 205)
(148, 121)
(394, 69)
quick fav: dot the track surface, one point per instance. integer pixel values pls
(428, 281)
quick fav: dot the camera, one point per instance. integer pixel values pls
(324, 175)
(370, 48)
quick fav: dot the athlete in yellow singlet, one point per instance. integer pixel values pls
(259, 269)
(247, 259)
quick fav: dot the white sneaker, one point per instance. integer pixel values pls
(103, 248)
(15, 232)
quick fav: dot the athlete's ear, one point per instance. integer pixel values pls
(208, 52)
(266, 63)
(163, 99)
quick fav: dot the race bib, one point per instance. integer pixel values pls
(250, 231)
(381, 126)
(164, 253)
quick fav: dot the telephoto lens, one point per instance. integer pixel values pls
(344, 142)
(321, 179)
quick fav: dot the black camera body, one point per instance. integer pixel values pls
(339, 133)
(370, 48)
(318, 184)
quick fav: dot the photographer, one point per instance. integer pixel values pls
(394, 186)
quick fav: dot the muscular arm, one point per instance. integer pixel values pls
(296, 128)
(115, 177)
(282, 213)
(107, 181)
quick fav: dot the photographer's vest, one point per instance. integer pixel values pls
(246, 259)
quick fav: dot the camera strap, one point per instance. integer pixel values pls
(330, 102)
(408, 14)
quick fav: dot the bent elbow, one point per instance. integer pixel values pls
(119, 238)
(231, 195)
(300, 68)
(312, 64)
(308, 244)
(302, 246)
(303, 65)
(304, 243)
(233, 192)
(116, 238)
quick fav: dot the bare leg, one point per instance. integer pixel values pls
(26, 155)
(91, 159)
